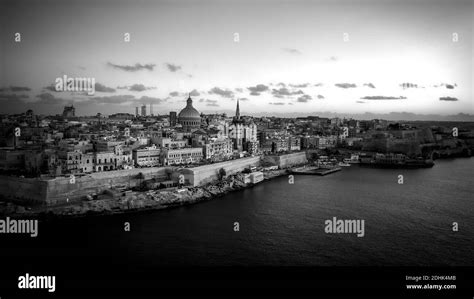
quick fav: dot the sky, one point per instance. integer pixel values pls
(274, 56)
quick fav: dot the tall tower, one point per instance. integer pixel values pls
(143, 110)
(151, 109)
(237, 111)
(136, 112)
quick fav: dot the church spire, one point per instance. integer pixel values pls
(237, 111)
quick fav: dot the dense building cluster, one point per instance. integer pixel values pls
(34, 145)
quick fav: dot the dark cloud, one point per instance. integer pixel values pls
(277, 103)
(299, 85)
(243, 99)
(369, 85)
(133, 68)
(450, 99)
(174, 94)
(102, 88)
(345, 85)
(225, 93)
(292, 51)
(320, 97)
(14, 89)
(285, 92)
(258, 89)
(408, 85)
(304, 98)
(137, 87)
(382, 98)
(173, 67)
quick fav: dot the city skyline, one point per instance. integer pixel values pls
(308, 58)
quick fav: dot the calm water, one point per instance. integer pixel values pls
(283, 224)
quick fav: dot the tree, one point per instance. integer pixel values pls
(222, 173)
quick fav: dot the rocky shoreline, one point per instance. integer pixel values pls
(138, 201)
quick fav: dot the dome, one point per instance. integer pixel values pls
(189, 112)
(189, 117)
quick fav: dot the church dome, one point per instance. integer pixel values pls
(189, 112)
(189, 117)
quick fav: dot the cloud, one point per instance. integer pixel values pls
(98, 87)
(239, 90)
(450, 99)
(320, 97)
(277, 103)
(14, 89)
(345, 85)
(292, 51)
(382, 98)
(194, 93)
(408, 85)
(137, 87)
(116, 99)
(318, 84)
(225, 93)
(49, 99)
(285, 92)
(212, 105)
(146, 99)
(369, 85)
(360, 102)
(14, 96)
(243, 99)
(281, 84)
(174, 94)
(173, 67)
(333, 58)
(304, 98)
(258, 89)
(299, 85)
(132, 68)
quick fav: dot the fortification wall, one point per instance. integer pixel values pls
(204, 174)
(24, 190)
(287, 160)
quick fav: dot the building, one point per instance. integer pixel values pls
(182, 156)
(173, 118)
(241, 131)
(136, 112)
(143, 110)
(149, 156)
(218, 149)
(189, 117)
(69, 111)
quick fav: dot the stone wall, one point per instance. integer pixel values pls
(22, 190)
(288, 160)
(60, 190)
(205, 174)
